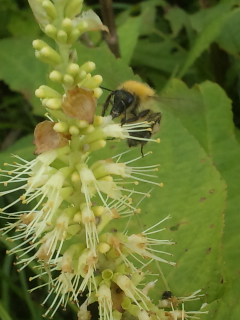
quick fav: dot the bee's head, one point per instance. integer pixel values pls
(122, 100)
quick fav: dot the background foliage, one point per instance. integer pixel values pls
(189, 52)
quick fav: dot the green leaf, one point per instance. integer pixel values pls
(237, 134)
(214, 119)
(178, 18)
(204, 39)
(21, 70)
(204, 17)
(128, 35)
(228, 38)
(3, 313)
(22, 23)
(158, 55)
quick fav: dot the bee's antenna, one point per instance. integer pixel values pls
(105, 88)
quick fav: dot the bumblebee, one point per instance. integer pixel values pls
(135, 102)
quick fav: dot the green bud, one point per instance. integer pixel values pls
(82, 124)
(67, 25)
(51, 31)
(88, 66)
(75, 177)
(68, 80)
(51, 55)
(39, 44)
(54, 104)
(73, 69)
(126, 304)
(73, 8)
(74, 131)
(47, 92)
(55, 76)
(66, 192)
(98, 210)
(49, 8)
(117, 315)
(93, 82)
(80, 76)
(61, 126)
(78, 216)
(97, 92)
(87, 77)
(73, 35)
(62, 36)
(41, 58)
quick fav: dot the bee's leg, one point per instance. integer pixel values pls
(106, 103)
(125, 116)
(156, 117)
(142, 114)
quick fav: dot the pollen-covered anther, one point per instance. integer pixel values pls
(80, 104)
(46, 138)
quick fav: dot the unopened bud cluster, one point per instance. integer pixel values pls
(70, 197)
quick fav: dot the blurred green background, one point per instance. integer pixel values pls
(173, 46)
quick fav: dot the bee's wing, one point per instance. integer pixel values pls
(174, 103)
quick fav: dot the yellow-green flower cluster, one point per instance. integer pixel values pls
(69, 198)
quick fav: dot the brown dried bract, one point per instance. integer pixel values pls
(80, 104)
(117, 297)
(45, 138)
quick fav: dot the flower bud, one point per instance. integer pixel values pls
(54, 104)
(55, 76)
(39, 44)
(67, 25)
(61, 126)
(73, 8)
(88, 66)
(73, 35)
(92, 82)
(49, 8)
(97, 92)
(47, 92)
(62, 36)
(50, 55)
(51, 31)
(68, 80)
(73, 130)
(73, 69)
